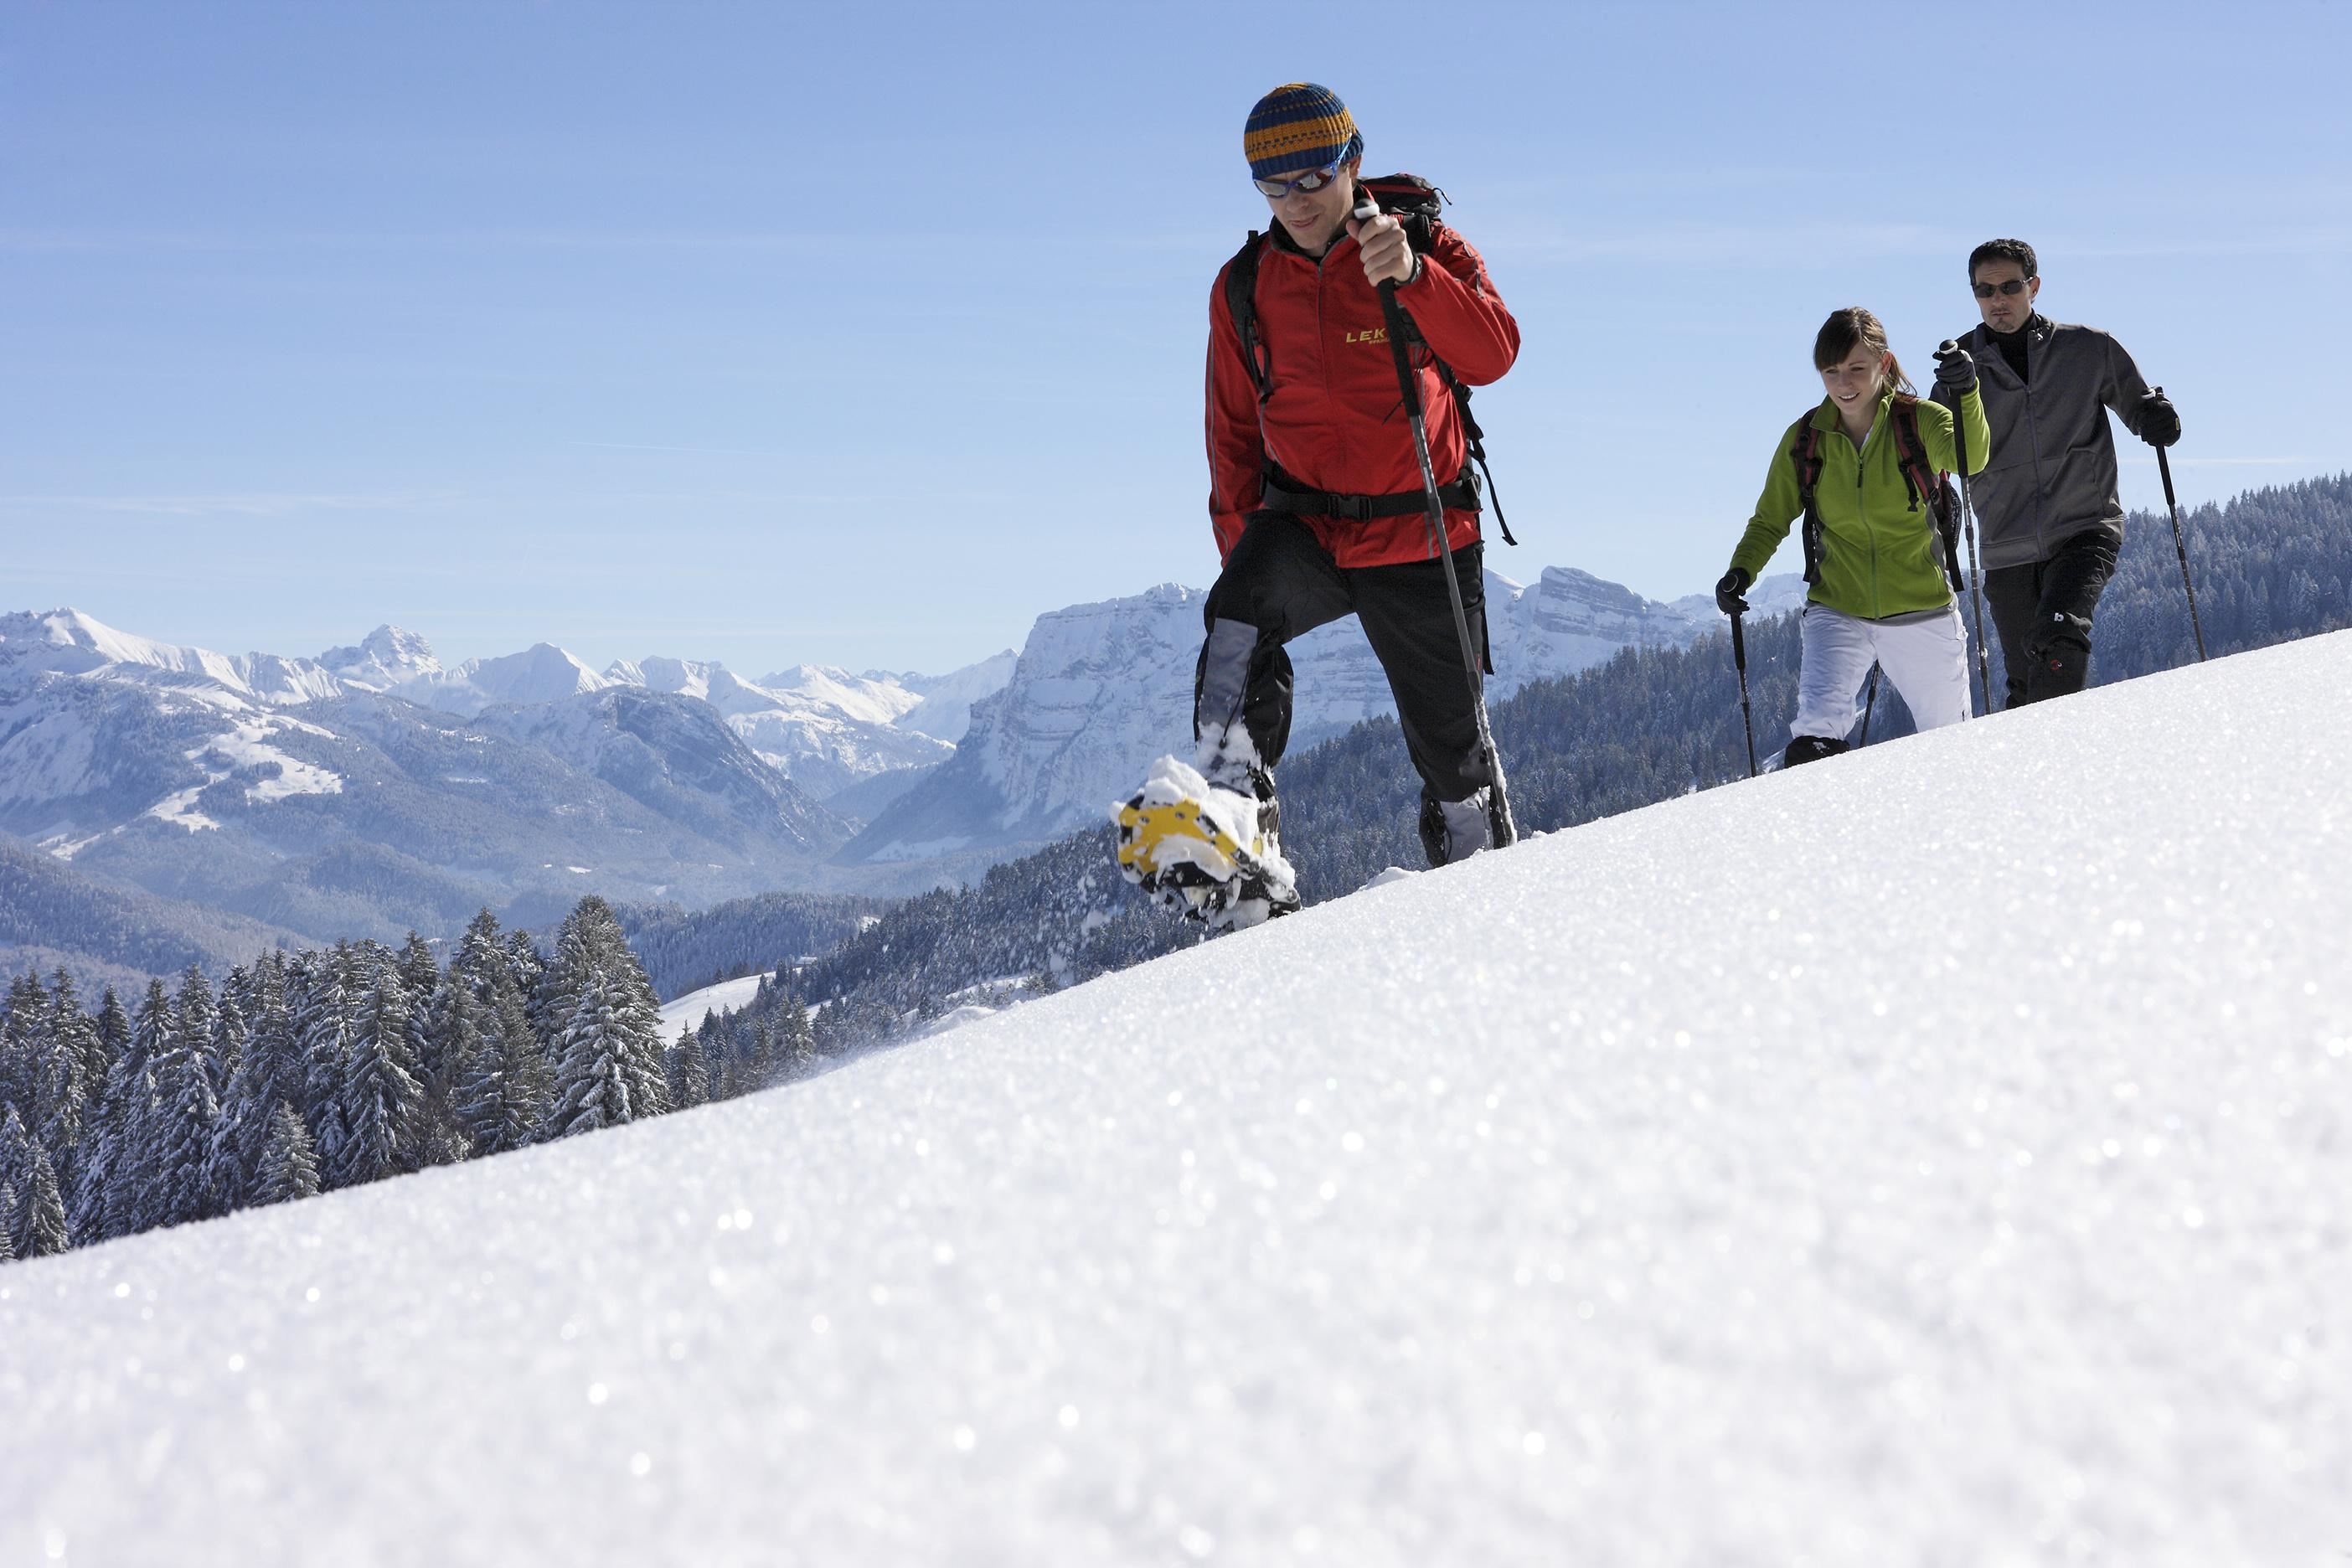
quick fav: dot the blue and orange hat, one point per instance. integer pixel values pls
(1299, 126)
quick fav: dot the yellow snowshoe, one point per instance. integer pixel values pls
(1210, 854)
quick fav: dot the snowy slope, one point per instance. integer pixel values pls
(1934, 1157)
(695, 1005)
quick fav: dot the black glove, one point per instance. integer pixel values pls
(1726, 592)
(1956, 373)
(2159, 422)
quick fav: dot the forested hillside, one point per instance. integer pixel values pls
(684, 949)
(51, 913)
(312, 1070)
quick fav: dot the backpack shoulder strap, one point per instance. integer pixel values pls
(1923, 480)
(1910, 451)
(1805, 452)
(1241, 304)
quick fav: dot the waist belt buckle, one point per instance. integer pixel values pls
(1355, 509)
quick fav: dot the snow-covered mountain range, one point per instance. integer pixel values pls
(319, 795)
(1099, 689)
(824, 728)
(1944, 1178)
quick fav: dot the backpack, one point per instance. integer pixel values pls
(1919, 479)
(1415, 204)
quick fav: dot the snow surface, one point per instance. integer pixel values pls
(1937, 1156)
(691, 1009)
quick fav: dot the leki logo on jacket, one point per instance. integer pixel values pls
(1375, 335)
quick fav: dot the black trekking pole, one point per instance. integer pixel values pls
(1968, 518)
(1869, 701)
(1504, 831)
(1739, 662)
(2163, 467)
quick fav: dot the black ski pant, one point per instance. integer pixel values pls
(2042, 613)
(1279, 583)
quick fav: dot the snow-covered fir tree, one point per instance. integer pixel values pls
(94, 1192)
(383, 1101)
(687, 1071)
(594, 1087)
(502, 1093)
(270, 1070)
(95, 1201)
(712, 1038)
(42, 1230)
(796, 1038)
(419, 969)
(24, 1028)
(321, 991)
(289, 1167)
(196, 1006)
(452, 1021)
(113, 1034)
(69, 1095)
(15, 1170)
(177, 1144)
(7, 1222)
(61, 1092)
(760, 1069)
(420, 977)
(591, 942)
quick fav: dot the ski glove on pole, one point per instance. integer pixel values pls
(1729, 591)
(1956, 373)
(2159, 422)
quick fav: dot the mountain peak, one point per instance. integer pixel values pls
(539, 673)
(384, 659)
(72, 642)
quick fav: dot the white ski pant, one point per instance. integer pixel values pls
(1926, 657)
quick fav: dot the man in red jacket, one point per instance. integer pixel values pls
(1315, 489)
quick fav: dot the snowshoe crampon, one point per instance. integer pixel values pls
(1209, 853)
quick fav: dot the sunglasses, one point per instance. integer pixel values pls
(1312, 180)
(2014, 286)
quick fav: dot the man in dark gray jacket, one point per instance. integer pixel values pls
(2047, 500)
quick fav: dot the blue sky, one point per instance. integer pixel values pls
(778, 333)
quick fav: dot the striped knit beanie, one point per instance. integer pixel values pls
(1299, 126)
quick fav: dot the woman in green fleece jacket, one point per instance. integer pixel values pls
(1873, 557)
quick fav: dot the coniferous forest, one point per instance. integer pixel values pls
(308, 1071)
